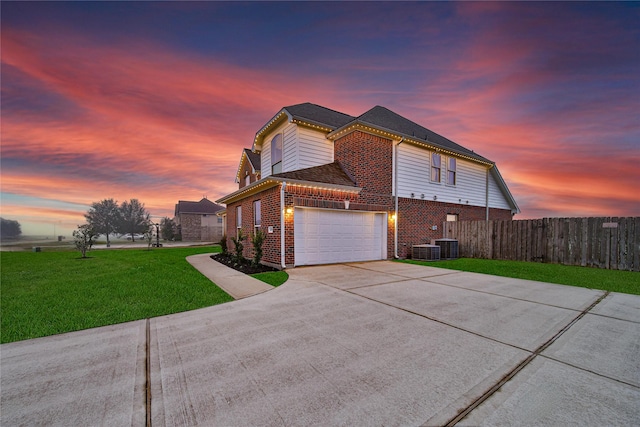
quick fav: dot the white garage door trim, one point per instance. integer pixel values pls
(327, 236)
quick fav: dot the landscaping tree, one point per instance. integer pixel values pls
(223, 244)
(237, 242)
(104, 217)
(257, 239)
(134, 218)
(83, 238)
(148, 236)
(9, 229)
(168, 228)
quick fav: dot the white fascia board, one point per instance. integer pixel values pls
(505, 190)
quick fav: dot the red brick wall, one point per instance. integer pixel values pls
(369, 160)
(246, 169)
(416, 218)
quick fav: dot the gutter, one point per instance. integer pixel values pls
(395, 222)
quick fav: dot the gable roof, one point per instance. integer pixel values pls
(331, 173)
(308, 114)
(386, 120)
(204, 206)
(252, 158)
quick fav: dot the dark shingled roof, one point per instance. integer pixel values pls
(382, 117)
(331, 173)
(254, 158)
(204, 206)
(319, 115)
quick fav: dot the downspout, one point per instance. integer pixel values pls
(282, 214)
(486, 201)
(395, 222)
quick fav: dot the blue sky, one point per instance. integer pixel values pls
(155, 100)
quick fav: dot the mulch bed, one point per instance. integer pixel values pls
(245, 266)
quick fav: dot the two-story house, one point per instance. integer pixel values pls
(198, 221)
(337, 188)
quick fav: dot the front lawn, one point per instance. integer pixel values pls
(48, 293)
(627, 282)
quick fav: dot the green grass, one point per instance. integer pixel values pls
(627, 282)
(275, 278)
(48, 293)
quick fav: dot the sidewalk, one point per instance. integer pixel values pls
(236, 284)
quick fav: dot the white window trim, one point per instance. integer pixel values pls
(432, 167)
(455, 172)
(254, 213)
(281, 134)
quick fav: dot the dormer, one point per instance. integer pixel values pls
(248, 169)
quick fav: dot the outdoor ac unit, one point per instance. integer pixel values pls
(426, 252)
(448, 248)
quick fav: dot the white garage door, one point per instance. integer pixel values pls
(327, 236)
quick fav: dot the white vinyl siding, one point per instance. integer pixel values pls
(302, 148)
(414, 176)
(286, 130)
(314, 148)
(496, 198)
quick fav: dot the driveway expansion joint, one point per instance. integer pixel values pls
(463, 414)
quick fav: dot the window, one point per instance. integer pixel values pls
(451, 171)
(435, 167)
(276, 154)
(219, 220)
(239, 218)
(247, 179)
(452, 217)
(257, 214)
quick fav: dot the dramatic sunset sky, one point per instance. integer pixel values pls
(155, 100)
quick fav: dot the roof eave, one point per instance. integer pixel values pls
(388, 133)
(515, 209)
(283, 115)
(270, 182)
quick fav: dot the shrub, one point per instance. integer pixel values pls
(239, 247)
(257, 240)
(83, 238)
(223, 244)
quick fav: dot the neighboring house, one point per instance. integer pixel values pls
(337, 188)
(198, 221)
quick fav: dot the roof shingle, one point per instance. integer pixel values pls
(331, 173)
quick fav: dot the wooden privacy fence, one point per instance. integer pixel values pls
(605, 242)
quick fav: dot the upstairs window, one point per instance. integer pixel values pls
(247, 179)
(451, 171)
(276, 154)
(435, 167)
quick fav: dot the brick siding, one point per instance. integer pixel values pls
(368, 159)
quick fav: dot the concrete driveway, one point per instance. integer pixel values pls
(361, 344)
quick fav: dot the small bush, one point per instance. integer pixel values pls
(223, 244)
(257, 240)
(239, 247)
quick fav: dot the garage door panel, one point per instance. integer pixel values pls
(327, 236)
